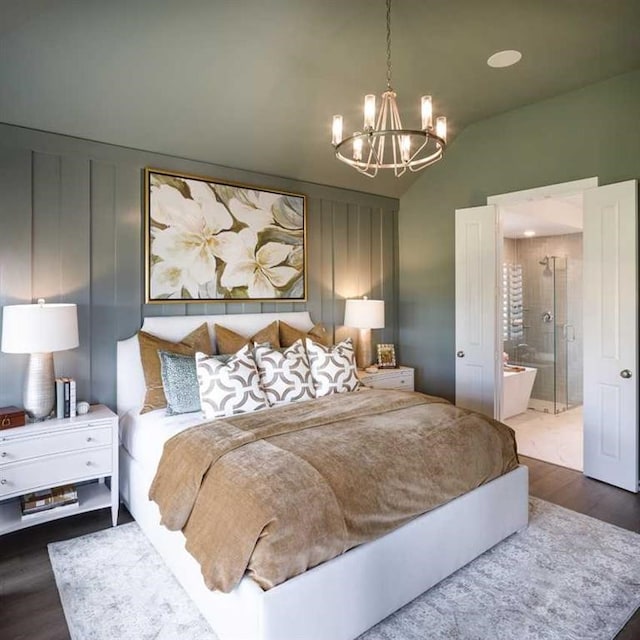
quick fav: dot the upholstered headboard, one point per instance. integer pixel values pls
(130, 383)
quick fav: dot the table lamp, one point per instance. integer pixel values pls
(39, 330)
(364, 314)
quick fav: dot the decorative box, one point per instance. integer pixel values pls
(12, 417)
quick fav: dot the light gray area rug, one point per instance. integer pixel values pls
(567, 577)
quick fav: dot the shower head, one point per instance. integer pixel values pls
(544, 262)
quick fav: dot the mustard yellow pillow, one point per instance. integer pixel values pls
(231, 342)
(317, 334)
(197, 340)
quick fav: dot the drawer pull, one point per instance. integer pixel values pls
(3, 481)
(89, 439)
(4, 454)
(6, 422)
(89, 463)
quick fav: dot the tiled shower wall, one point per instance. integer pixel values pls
(562, 337)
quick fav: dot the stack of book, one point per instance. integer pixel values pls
(59, 498)
(65, 398)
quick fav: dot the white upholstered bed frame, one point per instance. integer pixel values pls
(341, 598)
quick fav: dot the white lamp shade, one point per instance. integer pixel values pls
(362, 313)
(39, 328)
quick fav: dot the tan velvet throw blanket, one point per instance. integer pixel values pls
(278, 491)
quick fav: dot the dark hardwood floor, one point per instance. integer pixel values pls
(30, 608)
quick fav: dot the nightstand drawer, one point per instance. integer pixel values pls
(19, 448)
(394, 382)
(401, 378)
(54, 471)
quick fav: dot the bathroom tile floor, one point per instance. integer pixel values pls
(552, 438)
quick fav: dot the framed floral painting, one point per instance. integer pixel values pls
(210, 241)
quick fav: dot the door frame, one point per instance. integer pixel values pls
(539, 193)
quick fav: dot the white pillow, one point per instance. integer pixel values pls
(285, 375)
(333, 369)
(231, 386)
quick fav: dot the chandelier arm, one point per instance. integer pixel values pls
(396, 123)
(425, 162)
(417, 151)
(373, 153)
(384, 115)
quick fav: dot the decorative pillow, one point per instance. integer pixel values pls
(231, 342)
(285, 375)
(231, 387)
(197, 340)
(179, 382)
(289, 334)
(333, 369)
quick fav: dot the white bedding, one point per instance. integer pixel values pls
(144, 435)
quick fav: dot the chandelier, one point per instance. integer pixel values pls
(384, 143)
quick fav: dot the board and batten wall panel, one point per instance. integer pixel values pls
(72, 230)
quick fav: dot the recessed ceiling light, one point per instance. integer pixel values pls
(529, 233)
(504, 58)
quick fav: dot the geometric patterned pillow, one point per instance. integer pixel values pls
(333, 369)
(230, 387)
(285, 375)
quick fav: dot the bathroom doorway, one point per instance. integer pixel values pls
(542, 327)
(611, 404)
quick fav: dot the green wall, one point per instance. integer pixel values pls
(594, 131)
(71, 230)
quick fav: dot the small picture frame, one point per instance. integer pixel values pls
(387, 356)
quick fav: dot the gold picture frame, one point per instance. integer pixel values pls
(208, 240)
(387, 356)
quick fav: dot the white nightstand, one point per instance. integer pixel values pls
(400, 378)
(82, 451)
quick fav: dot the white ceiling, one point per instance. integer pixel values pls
(253, 84)
(551, 216)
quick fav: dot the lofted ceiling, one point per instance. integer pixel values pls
(253, 84)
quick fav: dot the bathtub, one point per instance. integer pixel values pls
(516, 391)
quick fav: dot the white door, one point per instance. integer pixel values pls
(477, 233)
(610, 335)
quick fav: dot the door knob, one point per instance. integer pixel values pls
(625, 373)
(460, 354)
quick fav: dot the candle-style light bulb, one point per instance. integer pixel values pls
(427, 112)
(405, 148)
(336, 130)
(369, 111)
(357, 147)
(441, 127)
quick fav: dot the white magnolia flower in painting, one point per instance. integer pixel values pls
(260, 271)
(256, 212)
(170, 279)
(195, 229)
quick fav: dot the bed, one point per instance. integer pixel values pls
(340, 598)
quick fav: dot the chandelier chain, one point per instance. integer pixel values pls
(389, 45)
